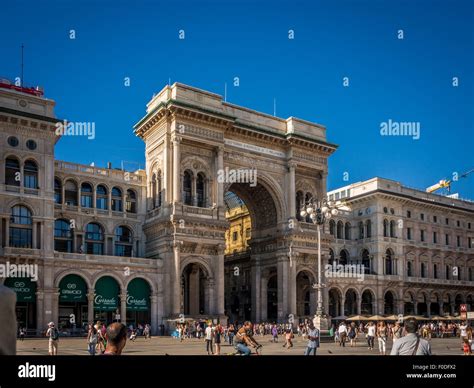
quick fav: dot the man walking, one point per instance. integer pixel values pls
(53, 335)
(313, 339)
(208, 334)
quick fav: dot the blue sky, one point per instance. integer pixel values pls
(407, 80)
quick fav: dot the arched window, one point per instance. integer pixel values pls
(368, 228)
(200, 190)
(101, 199)
(332, 228)
(62, 236)
(409, 269)
(117, 200)
(70, 193)
(423, 270)
(299, 204)
(123, 241)
(343, 257)
(308, 198)
(361, 230)
(30, 175)
(187, 188)
(159, 187)
(340, 229)
(385, 228)
(331, 256)
(21, 227)
(131, 201)
(347, 231)
(94, 239)
(58, 191)
(392, 229)
(389, 262)
(435, 271)
(154, 190)
(366, 261)
(86, 195)
(12, 172)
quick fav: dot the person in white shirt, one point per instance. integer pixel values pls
(370, 334)
(342, 334)
(208, 334)
(463, 332)
(313, 339)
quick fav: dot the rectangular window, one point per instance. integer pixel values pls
(469, 242)
(408, 214)
(458, 223)
(435, 238)
(116, 205)
(101, 203)
(469, 225)
(234, 236)
(447, 239)
(447, 221)
(20, 237)
(458, 241)
(408, 233)
(435, 219)
(86, 201)
(422, 216)
(422, 235)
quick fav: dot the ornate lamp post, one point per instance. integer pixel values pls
(319, 212)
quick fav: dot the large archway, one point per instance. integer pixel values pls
(195, 290)
(350, 302)
(389, 303)
(335, 300)
(366, 306)
(304, 294)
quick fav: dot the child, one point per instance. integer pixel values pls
(467, 347)
(289, 336)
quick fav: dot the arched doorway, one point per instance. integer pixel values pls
(138, 302)
(73, 306)
(350, 303)
(335, 299)
(409, 304)
(435, 304)
(106, 300)
(389, 303)
(272, 298)
(447, 304)
(195, 290)
(25, 290)
(366, 307)
(422, 306)
(304, 289)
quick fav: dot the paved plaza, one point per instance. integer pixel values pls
(171, 346)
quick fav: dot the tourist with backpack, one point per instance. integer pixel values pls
(53, 334)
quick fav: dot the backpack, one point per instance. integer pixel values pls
(54, 334)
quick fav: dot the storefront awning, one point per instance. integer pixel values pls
(106, 294)
(138, 298)
(25, 289)
(73, 288)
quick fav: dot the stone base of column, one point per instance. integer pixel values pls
(321, 322)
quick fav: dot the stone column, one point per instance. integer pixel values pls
(292, 292)
(7, 232)
(220, 185)
(154, 313)
(256, 292)
(55, 306)
(90, 305)
(282, 273)
(34, 235)
(291, 190)
(165, 197)
(263, 299)
(194, 191)
(123, 307)
(219, 276)
(359, 305)
(176, 170)
(176, 276)
(343, 303)
(40, 316)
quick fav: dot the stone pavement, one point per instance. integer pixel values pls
(171, 346)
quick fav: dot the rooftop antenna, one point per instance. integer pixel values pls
(274, 107)
(225, 91)
(22, 65)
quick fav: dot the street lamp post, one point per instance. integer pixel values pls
(319, 211)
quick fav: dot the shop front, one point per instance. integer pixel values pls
(25, 290)
(138, 303)
(106, 300)
(72, 315)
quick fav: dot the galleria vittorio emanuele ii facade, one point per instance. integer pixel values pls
(212, 227)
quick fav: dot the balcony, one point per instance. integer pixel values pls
(23, 252)
(104, 259)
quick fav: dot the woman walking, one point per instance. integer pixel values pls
(352, 334)
(382, 337)
(92, 339)
(370, 334)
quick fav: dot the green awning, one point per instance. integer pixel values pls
(25, 289)
(73, 288)
(138, 298)
(106, 294)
